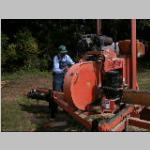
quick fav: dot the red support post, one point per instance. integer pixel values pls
(98, 26)
(134, 54)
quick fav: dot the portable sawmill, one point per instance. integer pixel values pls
(101, 90)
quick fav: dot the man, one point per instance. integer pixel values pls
(61, 63)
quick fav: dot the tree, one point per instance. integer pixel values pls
(27, 47)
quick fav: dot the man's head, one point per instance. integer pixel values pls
(62, 50)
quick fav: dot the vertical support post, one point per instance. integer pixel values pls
(133, 54)
(98, 26)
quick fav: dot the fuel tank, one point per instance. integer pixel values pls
(80, 84)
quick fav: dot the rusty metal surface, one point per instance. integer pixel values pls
(105, 122)
(139, 123)
(137, 111)
(113, 123)
(98, 26)
(137, 97)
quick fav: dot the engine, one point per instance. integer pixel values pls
(98, 77)
(112, 84)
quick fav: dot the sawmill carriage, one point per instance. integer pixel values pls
(101, 91)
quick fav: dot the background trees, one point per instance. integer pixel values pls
(33, 43)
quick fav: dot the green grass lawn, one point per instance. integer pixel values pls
(17, 111)
(144, 79)
(22, 114)
(13, 118)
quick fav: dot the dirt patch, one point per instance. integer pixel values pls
(20, 87)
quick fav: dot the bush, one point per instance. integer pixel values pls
(27, 48)
(9, 54)
(5, 40)
(31, 62)
(11, 51)
(23, 52)
(26, 42)
(4, 46)
(44, 64)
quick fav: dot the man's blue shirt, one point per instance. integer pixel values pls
(66, 59)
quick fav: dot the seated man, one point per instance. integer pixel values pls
(61, 62)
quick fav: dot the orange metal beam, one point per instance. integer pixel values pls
(98, 26)
(139, 123)
(134, 55)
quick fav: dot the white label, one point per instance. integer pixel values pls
(106, 104)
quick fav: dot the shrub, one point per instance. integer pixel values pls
(4, 46)
(26, 42)
(27, 48)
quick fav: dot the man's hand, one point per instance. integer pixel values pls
(65, 68)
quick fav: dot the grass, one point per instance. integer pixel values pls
(13, 118)
(23, 114)
(144, 73)
(144, 79)
(20, 74)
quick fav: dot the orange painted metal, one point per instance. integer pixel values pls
(125, 48)
(107, 126)
(80, 84)
(82, 80)
(112, 62)
(118, 122)
(126, 71)
(134, 55)
(59, 99)
(43, 90)
(98, 26)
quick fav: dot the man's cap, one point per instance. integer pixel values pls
(62, 49)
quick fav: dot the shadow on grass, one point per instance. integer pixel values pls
(36, 109)
(41, 117)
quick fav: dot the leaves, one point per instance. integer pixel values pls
(41, 38)
(26, 42)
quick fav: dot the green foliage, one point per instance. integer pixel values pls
(8, 50)
(24, 49)
(26, 42)
(4, 45)
(9, 54)
(31, 62)
(33, 43)
(12, 51)
(44, 65)
(143, 24)
(27, 48)
(4, 39)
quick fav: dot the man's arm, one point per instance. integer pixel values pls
(69, 60)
